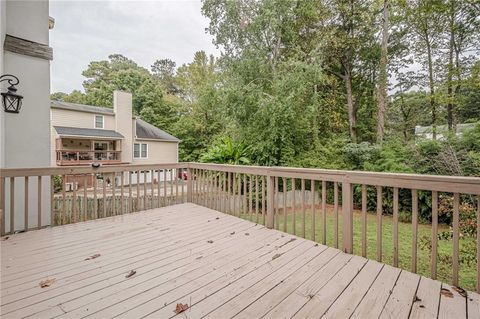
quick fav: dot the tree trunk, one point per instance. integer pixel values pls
(432, 89)
(450, 93)
(382, 78)
(352, 116)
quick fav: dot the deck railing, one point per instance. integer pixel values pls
(328, 206)
(77, 157)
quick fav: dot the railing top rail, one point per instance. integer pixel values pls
(72, 170)
(460, 184)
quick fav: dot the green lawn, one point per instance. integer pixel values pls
(444, 268)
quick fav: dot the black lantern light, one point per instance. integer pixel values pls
(12, 102)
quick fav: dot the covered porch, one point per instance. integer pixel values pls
(79, 146)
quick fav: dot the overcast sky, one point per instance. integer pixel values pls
(141, 30)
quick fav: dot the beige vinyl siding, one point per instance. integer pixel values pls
(158, 152)
(61, 117)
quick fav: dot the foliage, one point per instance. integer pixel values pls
(227, 151)
(296, 84)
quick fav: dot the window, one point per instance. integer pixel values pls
(140, 150)
(98, 121)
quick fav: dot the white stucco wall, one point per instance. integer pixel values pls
(3, 29)
(27, 134)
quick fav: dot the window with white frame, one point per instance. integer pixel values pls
(98, 121)
(140, 150)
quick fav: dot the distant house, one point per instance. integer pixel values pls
(84, 134)
(442, 130)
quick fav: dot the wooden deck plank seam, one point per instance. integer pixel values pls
(154, 232)
(171, 244)
(114, 262)
(151, 288)
(196, 278)
(295, 270)
(107, 278)
(293, 291)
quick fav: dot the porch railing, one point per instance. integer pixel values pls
(76, 157)
(328, 206)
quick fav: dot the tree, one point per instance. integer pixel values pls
(383, 76)
(164, 70)
(463, 37)
(425, 19)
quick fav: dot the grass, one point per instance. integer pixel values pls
(445, 247)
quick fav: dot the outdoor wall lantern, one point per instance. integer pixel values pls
(12, 102)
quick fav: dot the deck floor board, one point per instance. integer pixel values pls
(220, 265)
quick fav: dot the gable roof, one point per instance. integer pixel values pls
(146, 130)
(81, 107)
(87, 132)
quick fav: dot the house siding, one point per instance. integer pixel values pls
(61, 117)
(158, 152)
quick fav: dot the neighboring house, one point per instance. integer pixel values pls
(25, 136)
(442, 130)
(84, 134)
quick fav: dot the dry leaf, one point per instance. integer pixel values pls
(461, 291)
(180, 308)
(46, 282)
(276, 256)
(93, 257)
(130, 274)
(447, 293)
(210, 241)
(232, 233)
(217, 217)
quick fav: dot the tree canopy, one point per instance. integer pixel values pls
(330, 84)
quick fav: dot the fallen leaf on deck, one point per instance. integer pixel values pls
(246, 234)
(46, 282)
(6, 238)
(232, 233)
(93, 257)
(461, 291)
(130, 274)
(199, 257)
(180, 308)
(422, 306)
(210, 241)
(447, 293)
(276, 256)
(217, 218)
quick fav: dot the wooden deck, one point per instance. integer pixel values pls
(219, 265)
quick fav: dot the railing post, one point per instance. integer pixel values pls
(189, 186)
(347, 210)
(270, 200)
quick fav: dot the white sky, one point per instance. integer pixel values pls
(143, 31)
